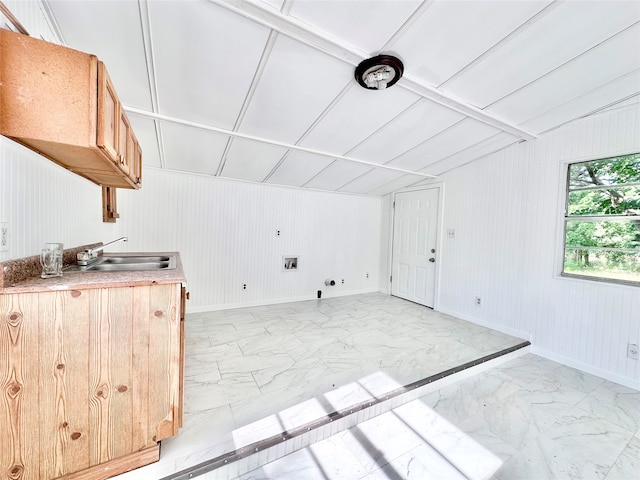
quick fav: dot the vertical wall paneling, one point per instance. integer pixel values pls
(507, 212)
(386, 232)
(33, 18)
(43, 202)
(226, 232)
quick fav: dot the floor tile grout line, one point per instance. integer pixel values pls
(274, 440)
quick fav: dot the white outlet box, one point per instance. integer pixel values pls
(632, 351)
(478, 301)
(451, 233)
(4, 237)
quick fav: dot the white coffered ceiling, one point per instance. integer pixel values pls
(265, 90)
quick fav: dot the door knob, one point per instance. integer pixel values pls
(432, 260)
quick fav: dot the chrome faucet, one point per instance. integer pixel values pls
(91, 255)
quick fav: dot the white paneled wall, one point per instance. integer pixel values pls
(31, 14)
(506, 210)
(386, 232)
(43, 202)
(226, 232)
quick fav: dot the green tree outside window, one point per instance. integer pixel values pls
(602, 219)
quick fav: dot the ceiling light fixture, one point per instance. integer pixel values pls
(379, 72)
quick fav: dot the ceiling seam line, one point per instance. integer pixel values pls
(315, 123)
(594, 112)
(317, 174)
(475, 145)
(375, 132)
(223, 131)
(571, 60)
(276, 166)
(354, 179)
(352, 56)
(257, 76)
(242, 180)
(472, 160)
(286, 7)
(425, 141)
(147, 44)
(398, 156)
(52, 21)
(467, 110)
(413, 18)
(632, 72)
(496, 46)
(431, 164)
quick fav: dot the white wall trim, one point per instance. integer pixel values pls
(585, 367)
(493, 326)
(276, 301)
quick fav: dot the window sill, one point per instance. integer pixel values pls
(599, 280)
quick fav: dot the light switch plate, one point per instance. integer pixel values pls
(4, 237)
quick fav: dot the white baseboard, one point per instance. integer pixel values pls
(494, 326)
(275, 301)
(598, 372)
(542, 352)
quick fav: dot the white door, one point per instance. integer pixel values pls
(413, 271)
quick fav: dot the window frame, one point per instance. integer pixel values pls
(564, 219)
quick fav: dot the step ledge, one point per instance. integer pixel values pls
(277, 446)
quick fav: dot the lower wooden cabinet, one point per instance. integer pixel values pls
(90, 380)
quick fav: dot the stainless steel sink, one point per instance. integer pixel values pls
(127, 263)
(137, 259)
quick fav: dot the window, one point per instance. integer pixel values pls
(602, 220)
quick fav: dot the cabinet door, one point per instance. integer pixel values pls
(108, 115)
(135, 166)
(125, 143)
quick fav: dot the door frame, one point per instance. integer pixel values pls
(439, 236)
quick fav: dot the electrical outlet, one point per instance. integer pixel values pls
(632, 351)
(4, 237)
(244, 286)
(451, 233)
(367, 275)
(343, 281)
(277, 233)
(478, 301)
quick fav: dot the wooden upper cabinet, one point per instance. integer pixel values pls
(61, 103)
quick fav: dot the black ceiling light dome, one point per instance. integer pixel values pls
(379, 72)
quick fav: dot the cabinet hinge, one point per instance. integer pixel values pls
(390, 278)
(394, 204)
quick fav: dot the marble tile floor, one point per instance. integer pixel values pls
(529, 419)
(253, 372)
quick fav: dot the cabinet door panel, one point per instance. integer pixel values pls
(19, 379)
(135, 167)
(108, 115)
(120, 319)
(164, 342)
(64, 387)
(125, 149)
(143, 435)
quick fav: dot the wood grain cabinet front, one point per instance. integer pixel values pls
(62, 104)
(90, 380)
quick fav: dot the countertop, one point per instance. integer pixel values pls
(87, 280)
